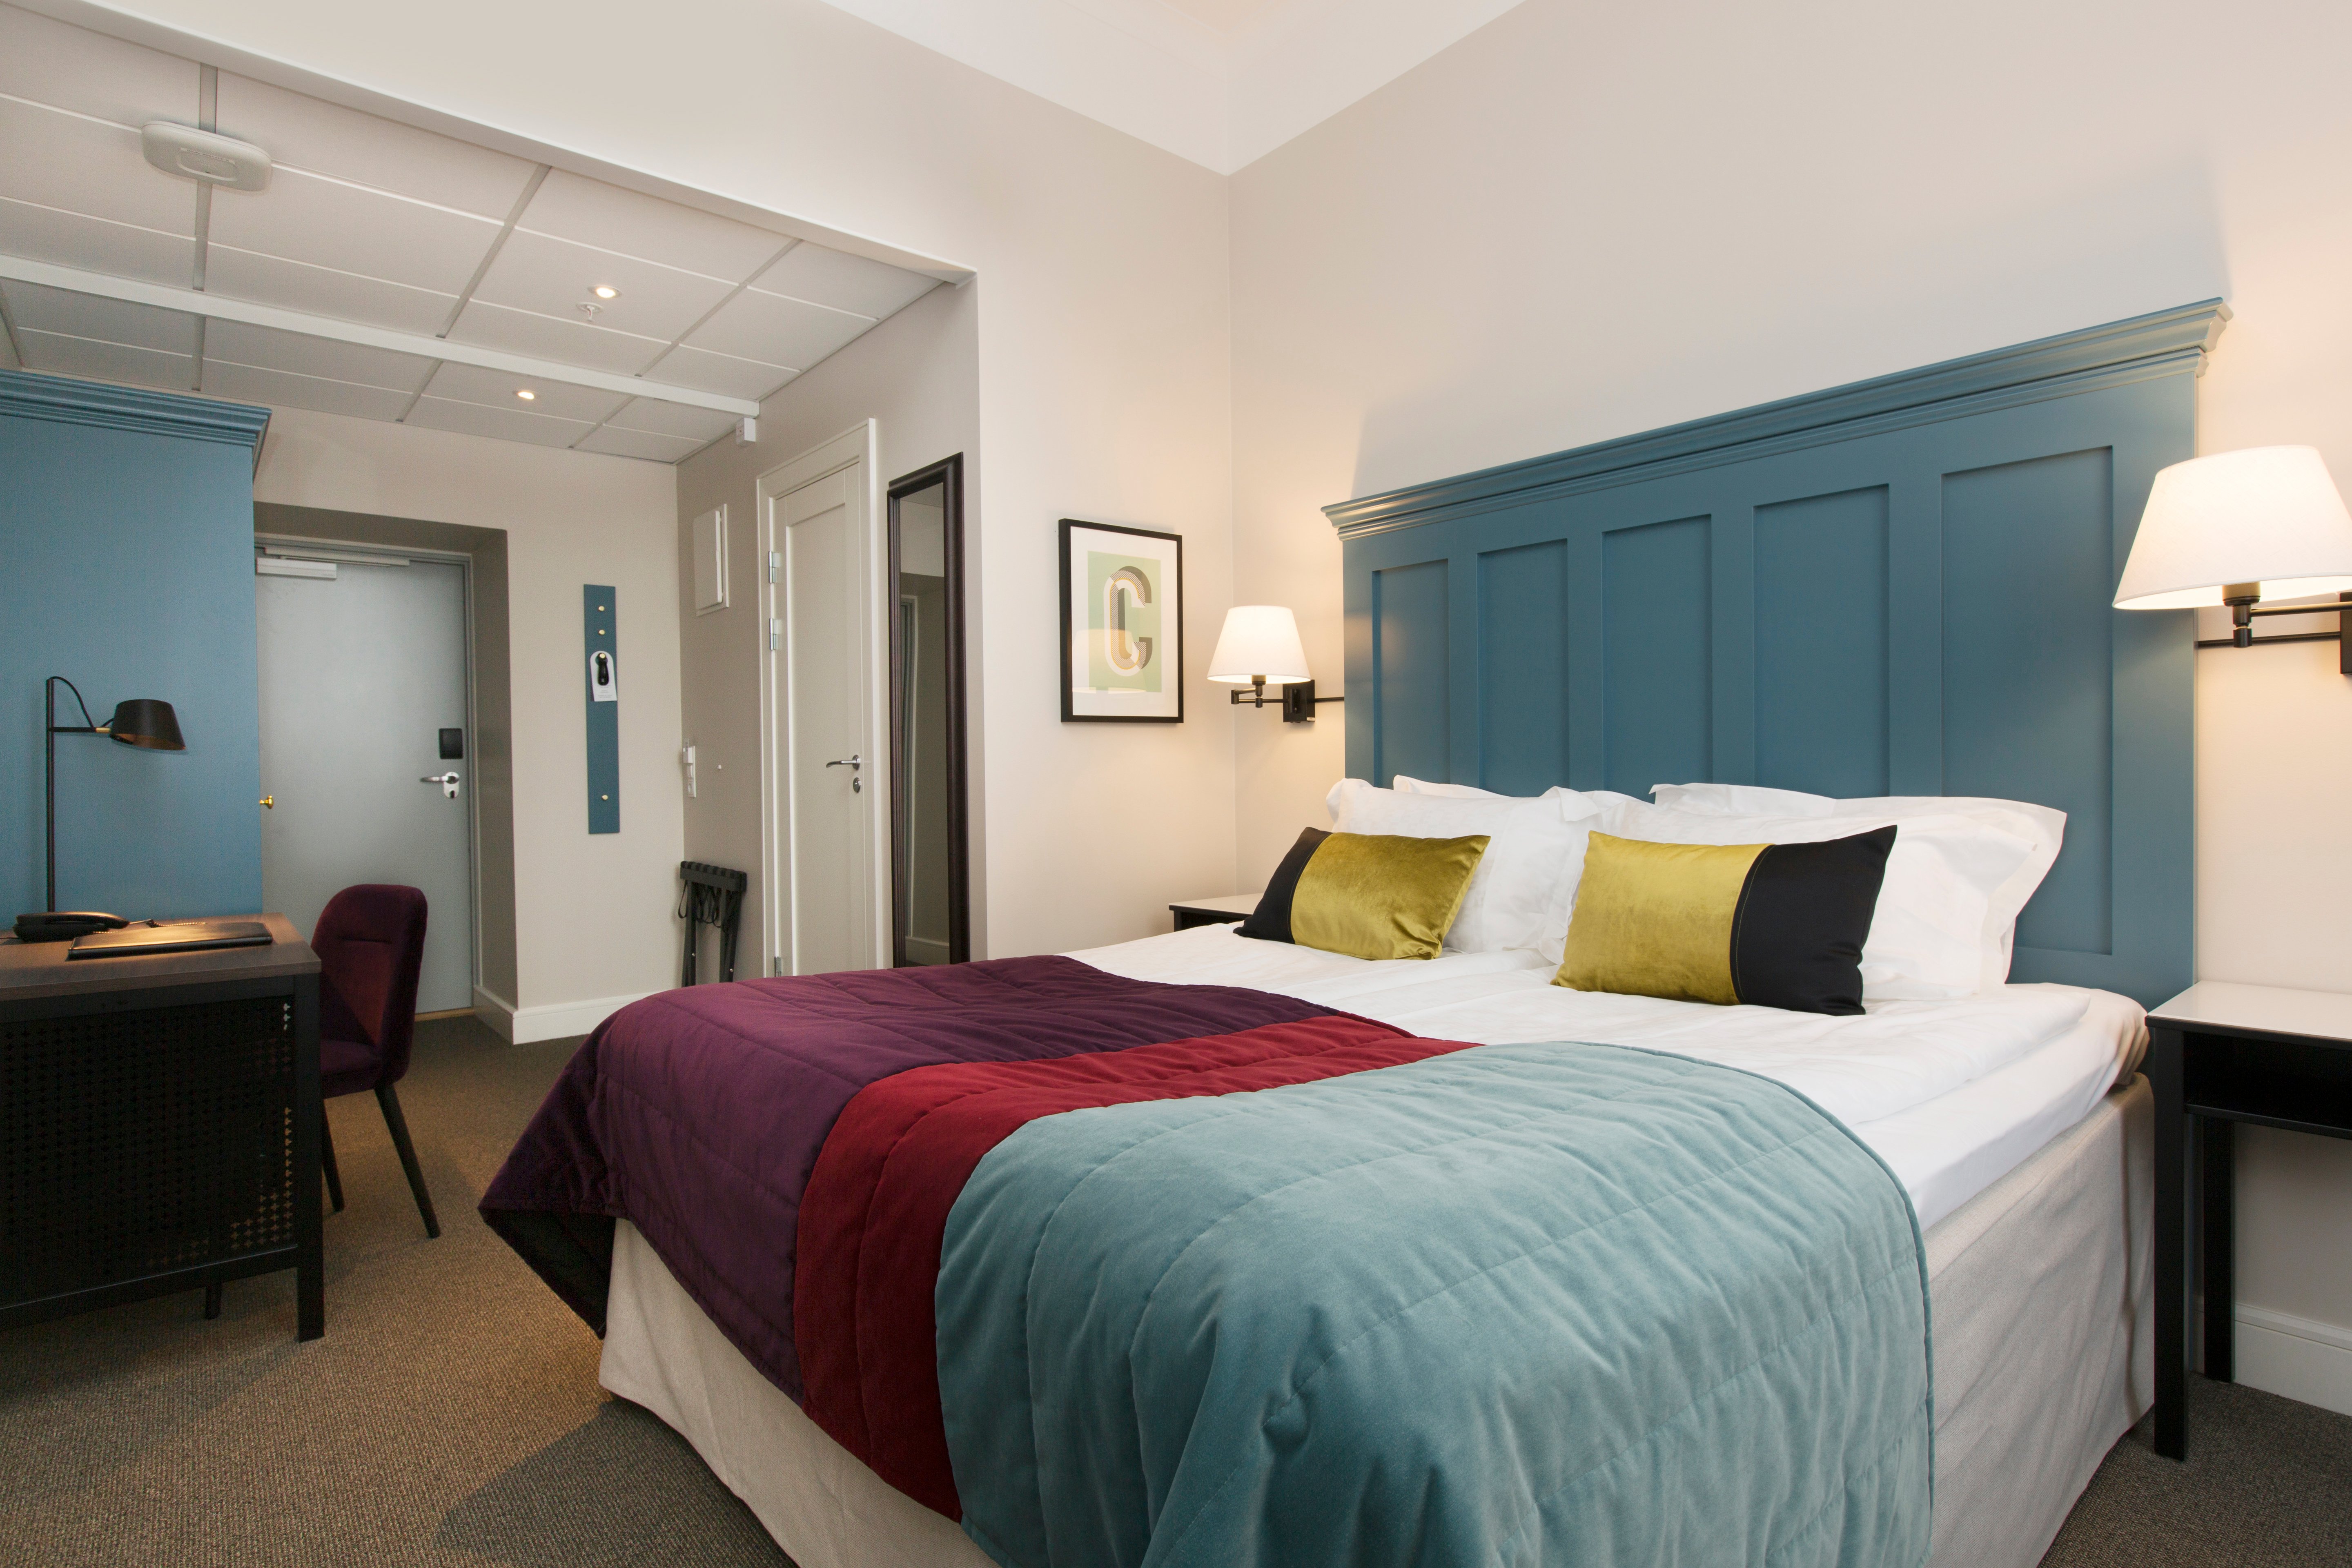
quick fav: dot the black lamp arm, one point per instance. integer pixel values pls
(89, 726)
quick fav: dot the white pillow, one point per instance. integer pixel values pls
(1955, 881)
(1575, 801)
(1522, 895)
(2045, 825)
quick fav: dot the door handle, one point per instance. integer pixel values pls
(448, 782)
(855, 767)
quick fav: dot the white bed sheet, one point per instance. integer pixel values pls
(1952, 1095)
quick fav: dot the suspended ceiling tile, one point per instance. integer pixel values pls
(826, 276)
(556, 277)
(323, 291)
(73, 68)
(78, 165)
(94, 360)
(328, 139)
(56, 310)
(725, 373)
(777, 330)
(619, 443)
(500, 424)
(651, 416)
(96, 245)
(307, 217)
(284, 389)
(500, 389)
(590, 212)
(268, 349)
(8, 359)
(549, 336)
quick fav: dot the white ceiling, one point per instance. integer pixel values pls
(1221, 82)
(370, 224)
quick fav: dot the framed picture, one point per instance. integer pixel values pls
(1122, 625)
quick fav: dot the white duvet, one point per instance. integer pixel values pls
(1952, 1095)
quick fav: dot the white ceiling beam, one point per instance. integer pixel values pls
(212, 307)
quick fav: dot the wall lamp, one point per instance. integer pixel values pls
(2239, 527)
(1260, 644)
(142, 722)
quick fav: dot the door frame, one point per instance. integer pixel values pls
(858, 444)
(948, 473)
(307, 547)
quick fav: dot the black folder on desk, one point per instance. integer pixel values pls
(186, 936)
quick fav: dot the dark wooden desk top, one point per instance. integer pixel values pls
(30, 971)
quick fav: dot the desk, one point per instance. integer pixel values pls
(2220, 1054)
(159, 1125)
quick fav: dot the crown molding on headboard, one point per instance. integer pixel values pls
(2158, 343)
(27, 394)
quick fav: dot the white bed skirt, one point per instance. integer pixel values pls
(2041, 1291)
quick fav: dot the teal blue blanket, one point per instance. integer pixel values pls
(1518, 1304)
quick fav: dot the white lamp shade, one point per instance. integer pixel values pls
(2268, 515)
(1259, 641)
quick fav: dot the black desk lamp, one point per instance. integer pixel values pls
(142, 722)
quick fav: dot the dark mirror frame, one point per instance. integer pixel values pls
(947, 474)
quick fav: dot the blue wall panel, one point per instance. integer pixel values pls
(126, 565)
(2029, 679)
(1897, 587)
(1523, 667)
(1658, 654)
(1410, 666)
(1821, 643)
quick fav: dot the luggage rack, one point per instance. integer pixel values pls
(709, 895)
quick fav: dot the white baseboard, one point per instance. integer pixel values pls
(497, 1012)
(2296, 1358)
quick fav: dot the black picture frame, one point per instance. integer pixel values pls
(1171, 623)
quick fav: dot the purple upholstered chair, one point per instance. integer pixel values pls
(371, 943)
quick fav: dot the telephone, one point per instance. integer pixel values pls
(65, 925)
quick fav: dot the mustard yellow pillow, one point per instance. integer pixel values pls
(1367, 895)
(1777, 925)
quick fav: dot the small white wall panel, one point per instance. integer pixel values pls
(710, 562)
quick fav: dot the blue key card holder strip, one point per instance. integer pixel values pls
(602, 678)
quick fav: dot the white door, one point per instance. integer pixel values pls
(360, 675)
(832, 787)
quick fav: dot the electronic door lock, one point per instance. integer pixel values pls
(448, 782)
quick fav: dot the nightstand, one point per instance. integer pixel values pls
(2220, 1054)
(1223, 909)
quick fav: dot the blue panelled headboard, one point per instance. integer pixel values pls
(1896, 587)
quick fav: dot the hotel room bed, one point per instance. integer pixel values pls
(2000, 1115)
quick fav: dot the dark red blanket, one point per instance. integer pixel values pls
(876, 1209)
(698, 1115)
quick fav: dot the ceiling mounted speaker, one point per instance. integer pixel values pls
(194, 154)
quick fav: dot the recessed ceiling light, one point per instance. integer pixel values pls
(526, 394)
(606, 292)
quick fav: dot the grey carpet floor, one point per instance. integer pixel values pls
(451, 1416)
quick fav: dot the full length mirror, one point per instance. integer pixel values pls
(931, 904)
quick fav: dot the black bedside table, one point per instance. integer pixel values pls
(2220, 1054)
(1226, 909)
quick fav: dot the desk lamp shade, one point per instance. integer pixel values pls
(145, 722)
(2263, 523)
(1260, 643)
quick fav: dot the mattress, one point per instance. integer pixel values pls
(1952, 1095)
(2040, 1288)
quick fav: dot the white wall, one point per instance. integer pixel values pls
(592, 922)
(917, 377)
(1104, 364)
(1585, 221)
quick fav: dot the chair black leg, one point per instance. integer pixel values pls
(399, 1125)
(211, 1301)
(326, 1161)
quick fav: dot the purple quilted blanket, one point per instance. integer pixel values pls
(697, 1115)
